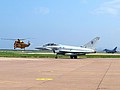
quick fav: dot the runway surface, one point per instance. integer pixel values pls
(59, 74)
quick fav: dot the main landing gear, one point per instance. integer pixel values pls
(73, 57)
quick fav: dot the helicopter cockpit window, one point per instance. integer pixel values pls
(50, 44)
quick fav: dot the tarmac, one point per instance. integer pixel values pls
(59, 74)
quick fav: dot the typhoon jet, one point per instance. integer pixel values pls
(110, 51)
(72, 51)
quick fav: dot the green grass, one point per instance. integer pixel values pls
(18, 54)
(103, 56)
(23, 54)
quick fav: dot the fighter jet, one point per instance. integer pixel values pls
(110, 51)
(72, 51)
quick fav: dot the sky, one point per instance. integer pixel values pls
(70, 22)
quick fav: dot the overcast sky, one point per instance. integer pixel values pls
(72, 22)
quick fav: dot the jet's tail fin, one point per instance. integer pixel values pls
(92, 43)
(115, 48)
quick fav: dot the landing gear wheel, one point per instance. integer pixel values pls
(56, 56)
(73, 57)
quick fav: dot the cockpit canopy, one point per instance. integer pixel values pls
(50, 44)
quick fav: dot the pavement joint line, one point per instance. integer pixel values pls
(45, 81)
(98, 87)
(74, 70)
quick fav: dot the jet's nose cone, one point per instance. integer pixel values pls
(94, 51)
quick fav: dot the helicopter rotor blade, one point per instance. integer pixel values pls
(13, 39)
(7, 39)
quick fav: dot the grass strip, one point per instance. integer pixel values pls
(24, 55)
